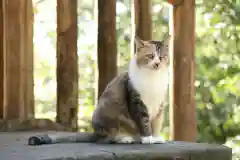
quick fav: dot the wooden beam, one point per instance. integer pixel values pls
(14, 106)
(18, 59)
(1, 60)
(142, 18)
(182, 110)
(106, 44)
(28, 79)
(67, 64)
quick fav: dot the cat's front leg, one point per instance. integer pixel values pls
(156, 124)
(139, 113)
(154, 138)
(142, 119)
(149, 130)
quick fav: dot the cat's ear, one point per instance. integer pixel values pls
(138, 42)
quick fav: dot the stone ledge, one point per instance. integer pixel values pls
(14, 146)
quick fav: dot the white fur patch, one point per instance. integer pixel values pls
(123, 137)
(152, 140)
(152, 85)
(126, 139)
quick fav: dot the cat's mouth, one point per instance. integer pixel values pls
(152, 67)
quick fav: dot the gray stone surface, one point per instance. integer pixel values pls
(14, 146)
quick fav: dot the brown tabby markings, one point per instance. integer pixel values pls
(111, 118)
(130, 108)
(121, 112)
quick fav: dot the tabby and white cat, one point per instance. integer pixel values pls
(130, 110)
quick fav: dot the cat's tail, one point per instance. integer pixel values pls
(84, 137)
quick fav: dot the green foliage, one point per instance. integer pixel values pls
(218, 70)
(217, 62)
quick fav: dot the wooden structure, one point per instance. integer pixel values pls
(182, 90)
(106, 44)
(141, 21)
(16, 71)
(1, 61)
(67, 64)
(16, 83)
(16, 62)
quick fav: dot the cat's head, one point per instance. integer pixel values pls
(153, 55)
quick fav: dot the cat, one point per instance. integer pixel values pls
(130, 110)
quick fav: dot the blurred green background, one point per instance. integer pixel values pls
(217, 57)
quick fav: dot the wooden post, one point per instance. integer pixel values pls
(14, 47)
(106, 44)
(1, 60)
(143, 18)
(67, 64)
(28, 80)
(182, 110)
(141, 21)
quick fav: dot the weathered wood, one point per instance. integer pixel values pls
(28, 80)
(16, 125)
(1, 60)
(183, 111)
(13, 144)
(142, 18)
(14, 39)
(106, 44)
(67, 64)
(141, 21)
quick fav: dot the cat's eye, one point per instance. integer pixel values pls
(161, 57)
(151, 56)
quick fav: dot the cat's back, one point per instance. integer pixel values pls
(111, 117)
(116, 88)
(113, 99)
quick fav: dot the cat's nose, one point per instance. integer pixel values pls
(156, 65)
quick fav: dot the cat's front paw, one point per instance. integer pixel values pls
(152, 140)
(126, 140)
(147, 140)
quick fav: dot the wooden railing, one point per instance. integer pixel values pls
(16, 62)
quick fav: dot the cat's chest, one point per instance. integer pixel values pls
(152, 91)
(153, 97)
